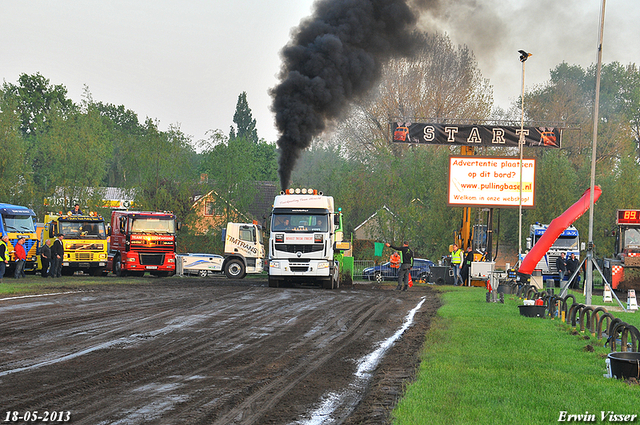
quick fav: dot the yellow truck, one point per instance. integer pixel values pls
(85, 241)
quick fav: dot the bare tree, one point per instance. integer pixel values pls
(441, 81)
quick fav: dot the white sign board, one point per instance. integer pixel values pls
(491, 181)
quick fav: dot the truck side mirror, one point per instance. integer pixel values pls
(336, 219)
(583, 246)
(528, 243)
(51, 233)
(108, 230)
(123, 224)
(178, 225)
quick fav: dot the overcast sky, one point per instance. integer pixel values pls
(186, 62)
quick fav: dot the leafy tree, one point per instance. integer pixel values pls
(35, 97)
(246, 125)
(16, 187)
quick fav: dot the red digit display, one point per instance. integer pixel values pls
(628, 216)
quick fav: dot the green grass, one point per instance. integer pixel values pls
(484, 363)
(35, 284)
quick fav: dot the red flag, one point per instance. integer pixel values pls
(410, 281)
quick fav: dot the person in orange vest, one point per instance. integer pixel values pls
(394, 260)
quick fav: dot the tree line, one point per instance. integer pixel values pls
(49, 141)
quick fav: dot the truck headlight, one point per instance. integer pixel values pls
(323, 265)
(171, 260)
(274, 264)
(131, 259)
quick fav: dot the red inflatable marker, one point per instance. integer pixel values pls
(556, 227)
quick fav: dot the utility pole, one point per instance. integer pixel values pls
(523, 58)
(588, 284)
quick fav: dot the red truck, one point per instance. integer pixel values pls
(142, 242)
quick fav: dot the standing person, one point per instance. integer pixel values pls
(4, 255)
(466, 265)
(57, 254)
(572, 266)
(21, 258)
(45, 256)
(561, 265)
(457, 256)
(406, 255)
(76, 210)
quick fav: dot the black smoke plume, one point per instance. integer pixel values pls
(333, 57)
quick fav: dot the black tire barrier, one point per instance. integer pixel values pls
(531, 292)
(618, 328)
(552, 305)
(564, 307)
(626, 331)
(612, 326)
(609, 317)
(586, 316)
(595, 318)
(635, 337)
(573, 313)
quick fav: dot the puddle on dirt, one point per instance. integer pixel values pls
(350, 397)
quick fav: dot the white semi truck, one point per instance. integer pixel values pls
(305, 229)
(243, 254)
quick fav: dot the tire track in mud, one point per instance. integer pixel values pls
(198, 353)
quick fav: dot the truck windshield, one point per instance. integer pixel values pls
(632, 238)
(18, 223)
(300, 222)
(83, 230)
(152, 225)
(566, 243)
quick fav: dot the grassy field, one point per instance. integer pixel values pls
(484, 363)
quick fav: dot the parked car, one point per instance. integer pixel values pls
(421, 270)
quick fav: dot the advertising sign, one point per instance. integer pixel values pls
(491, 181)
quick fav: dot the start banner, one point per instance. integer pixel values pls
(475, 135)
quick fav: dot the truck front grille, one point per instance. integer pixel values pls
(152, 259)
(299, 268)
(305, 249)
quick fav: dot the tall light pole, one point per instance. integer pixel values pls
(523, 58)
(588, 284)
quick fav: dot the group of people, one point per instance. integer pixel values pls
(19, 252)
(51, 256)
(567, 266)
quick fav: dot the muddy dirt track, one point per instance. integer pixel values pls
(212, 351)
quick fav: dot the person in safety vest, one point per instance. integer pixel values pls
(394, 260)
(4, 255)
(457, 257)
(406, 255)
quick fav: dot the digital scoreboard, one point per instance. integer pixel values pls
(628, 217)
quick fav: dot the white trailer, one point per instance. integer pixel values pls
(200, 264)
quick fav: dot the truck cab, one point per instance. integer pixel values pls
(85, 241)
(568, 242)
(142, 242)
(243, 250)
(302, 239)
(19, 222)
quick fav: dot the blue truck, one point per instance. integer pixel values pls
(17, 222)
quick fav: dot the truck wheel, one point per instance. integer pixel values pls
(273, 283)
(117, 268)
(235, 270)
(96, 271)
(327, 284)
